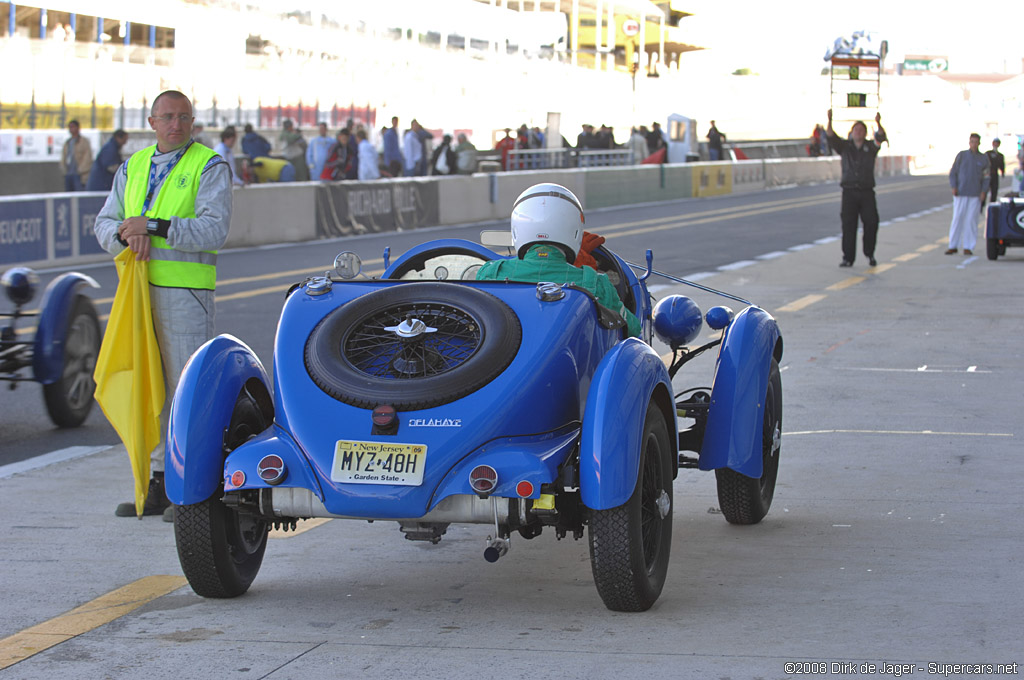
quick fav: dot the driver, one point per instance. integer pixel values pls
(547, 232)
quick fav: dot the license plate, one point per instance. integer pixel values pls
(378, 463)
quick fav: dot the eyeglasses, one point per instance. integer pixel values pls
(182, 118)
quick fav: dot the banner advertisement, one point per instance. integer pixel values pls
(48, 228)
(347, 208)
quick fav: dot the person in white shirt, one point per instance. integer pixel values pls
(412, 150)
(369, 166)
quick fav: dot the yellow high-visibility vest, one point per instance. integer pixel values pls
(168, 267)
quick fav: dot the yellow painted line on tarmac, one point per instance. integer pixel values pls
(883, 268)
(801, 303)
(281, 288)
(928, 248)
(301, 528)
(906, 257)
(690, 222)
(720, 214)
(846, 283)
(89, 616)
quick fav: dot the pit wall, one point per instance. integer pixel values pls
(50, 230)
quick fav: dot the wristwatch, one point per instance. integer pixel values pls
(158, 227)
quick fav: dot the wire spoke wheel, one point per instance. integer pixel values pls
(377, 351)
(412, 345)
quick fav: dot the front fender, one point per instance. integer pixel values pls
(48, 349)
(732, 438)
(629, 375)
(200, 413)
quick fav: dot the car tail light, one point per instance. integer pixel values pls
(271, 469)
(385, 419)
(524, 489)
(483, 479)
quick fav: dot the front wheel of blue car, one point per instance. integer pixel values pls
(630, 544)
(745, 500)
(220, 547)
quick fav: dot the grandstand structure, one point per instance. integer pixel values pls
(478, 65)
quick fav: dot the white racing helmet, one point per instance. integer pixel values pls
(548, 213)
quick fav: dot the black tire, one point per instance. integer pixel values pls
(742, 499)
(630, 544)
(992, 248)
(69, 400)
(221, 549)
(352, 357)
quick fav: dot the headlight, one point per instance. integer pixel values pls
(20, 283)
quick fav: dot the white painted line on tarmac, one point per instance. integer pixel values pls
(827, 239)
(58, 456)
(700, 276)
(802, 246)
(736, 265)
(966, 262)
(916, 432)
(919, 369)
(771, 256)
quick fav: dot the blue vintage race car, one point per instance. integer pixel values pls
(429, 398)
(62, 353)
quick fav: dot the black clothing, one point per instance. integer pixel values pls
(449, 159)
(858, 183)
(585, 140)
(715, 139)
(859, 203)
(996, 165)
(858, 165)
(654, 141)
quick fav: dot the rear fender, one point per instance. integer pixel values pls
(732, 438)
(272, 441)
(48, 347)
(201, 412)
(626, 380)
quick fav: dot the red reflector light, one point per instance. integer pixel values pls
(237, 478)
(384, 415)
(524, 489)
(271, 469)
(483, 479)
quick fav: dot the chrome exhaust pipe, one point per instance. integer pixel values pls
(496, 548)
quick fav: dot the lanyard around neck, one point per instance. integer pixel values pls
(155, 180)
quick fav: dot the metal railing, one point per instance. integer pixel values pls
(541, 159)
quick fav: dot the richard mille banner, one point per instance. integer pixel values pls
(347, 208)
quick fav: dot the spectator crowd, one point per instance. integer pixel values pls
(351, 154)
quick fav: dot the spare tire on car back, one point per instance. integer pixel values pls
(413, 345)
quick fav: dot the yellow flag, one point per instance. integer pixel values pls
(129, 375)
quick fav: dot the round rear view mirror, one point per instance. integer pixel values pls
(348, 265)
